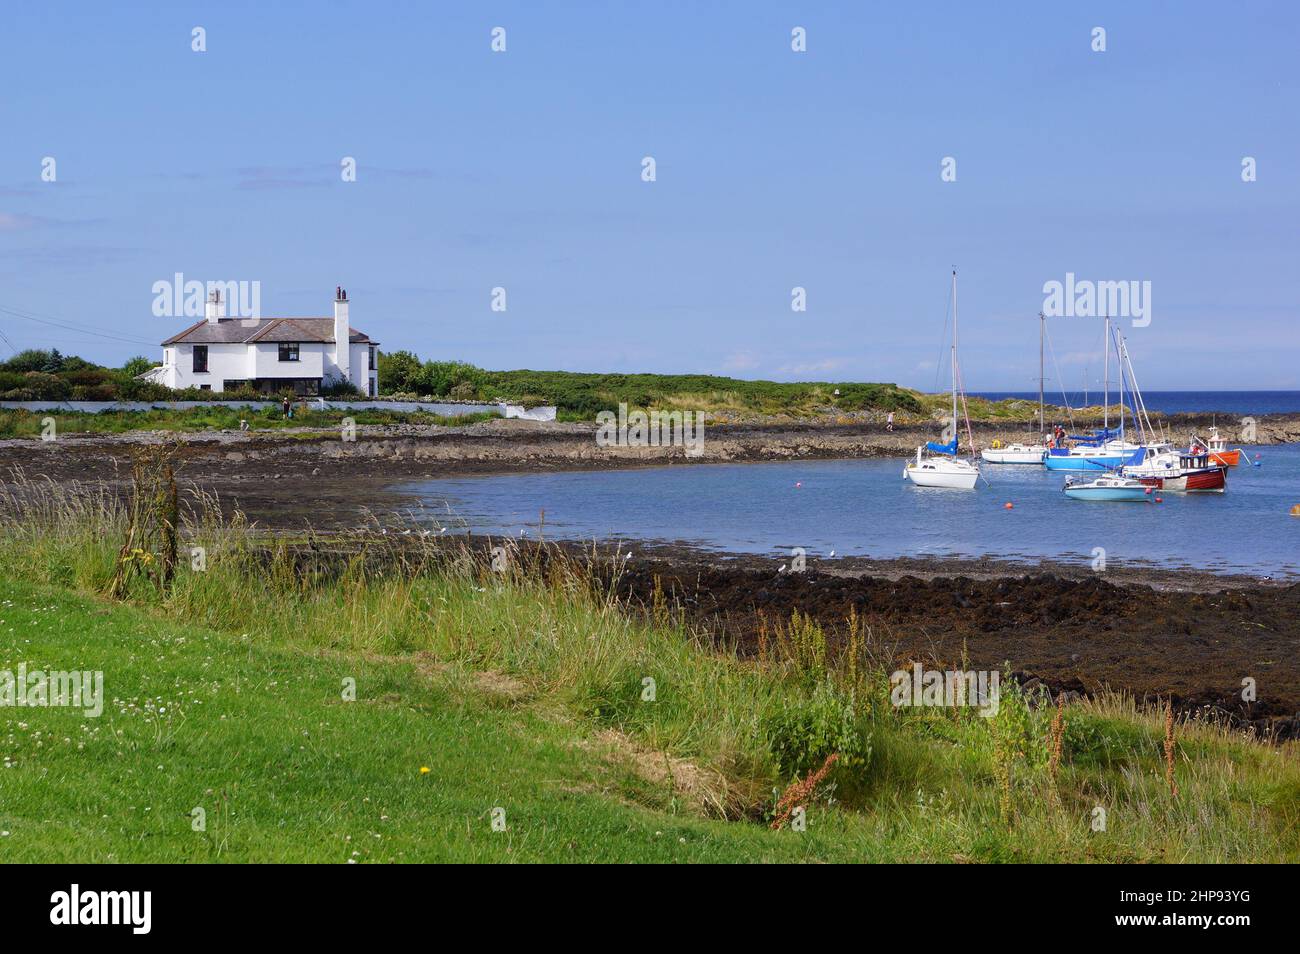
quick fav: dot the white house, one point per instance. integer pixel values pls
(269, 354)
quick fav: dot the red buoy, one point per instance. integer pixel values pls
(1008, 505)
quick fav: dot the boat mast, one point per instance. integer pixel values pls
(1119, 363)
(1041, 321)
(953, 362)
(1105, 393)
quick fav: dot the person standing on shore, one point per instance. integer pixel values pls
(889, 422)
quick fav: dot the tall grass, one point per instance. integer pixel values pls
(1088, 781)
(22, 423)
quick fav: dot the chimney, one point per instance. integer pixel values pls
(212, 310)
(342, 332)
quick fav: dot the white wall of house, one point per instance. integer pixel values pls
(243, 362)
(359, 370)
(225, 361)
(267, 363)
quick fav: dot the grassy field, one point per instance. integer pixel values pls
(19, 423)
(579, 396)
(525, 691)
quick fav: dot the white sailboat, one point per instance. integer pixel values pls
(937, 465)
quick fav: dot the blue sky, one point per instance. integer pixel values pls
(775, 169)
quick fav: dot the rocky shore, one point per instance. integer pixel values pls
(503, 446)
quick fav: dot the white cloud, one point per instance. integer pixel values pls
(740, 361)
(812, 367)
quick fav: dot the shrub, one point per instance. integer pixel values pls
(340, 389)
(400, 371)
(803, 732)
(46, 387)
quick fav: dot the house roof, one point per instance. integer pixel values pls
(252, 330)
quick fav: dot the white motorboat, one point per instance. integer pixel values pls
(1108, 487)
(938, 465)
(1014, 453)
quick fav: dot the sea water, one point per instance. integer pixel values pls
(866, 508)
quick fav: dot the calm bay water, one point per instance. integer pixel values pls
(866, 508)
(1174, 402)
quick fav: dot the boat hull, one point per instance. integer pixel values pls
(1010, 456)
(1079, 464)
(1210, 481)
(945, 478)
(1133, 494)
(1228, 458)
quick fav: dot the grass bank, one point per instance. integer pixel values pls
(20, 423)
(601, 734)
(580, 396)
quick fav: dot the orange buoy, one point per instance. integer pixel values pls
(1008, 505)
(1295, 511)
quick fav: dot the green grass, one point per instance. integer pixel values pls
(20, 423)
(523, 690)
(580, 396)
(259, 737)
(1014, 410)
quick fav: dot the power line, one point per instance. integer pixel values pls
(70, 326)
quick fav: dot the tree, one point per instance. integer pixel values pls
(398, 371)
(34, 359)
(137, 366)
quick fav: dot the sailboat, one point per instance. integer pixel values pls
(1105, 449)
(1019, 453)
(937, 465)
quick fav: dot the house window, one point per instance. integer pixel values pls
(289, 352)
(372, 357)
(205, 387)
(200, 359)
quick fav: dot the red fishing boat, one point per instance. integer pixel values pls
(1186, 472)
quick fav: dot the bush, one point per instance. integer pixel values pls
(400, 371)
(89, 377)
(802, 733)
(442, 378)
(46, 387)
(94, 392)
(341, 389)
